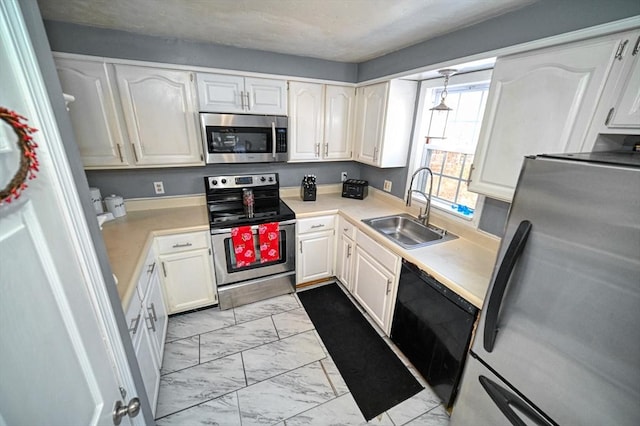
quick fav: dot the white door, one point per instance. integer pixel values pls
(159, 108)
(371, 113)
(372, 285)
(221, 93)
(62, 358)
(539, 102)
(93, 113)
(626, 113)
(338, 121)
(315, 259)
(306, 117)
(188, 279)
(344, 261)
(266, 96)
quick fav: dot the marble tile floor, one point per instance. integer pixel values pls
(264, 364)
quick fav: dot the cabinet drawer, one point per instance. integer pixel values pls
(313, 224)
(347, 228)
(386, 258)
(182, 242)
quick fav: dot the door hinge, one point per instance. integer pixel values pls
(636, 48)
(608, 119)
(620, 51)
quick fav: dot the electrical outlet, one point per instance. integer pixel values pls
(159, 187)
(343, 176)
(387, 185)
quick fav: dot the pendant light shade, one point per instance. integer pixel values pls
(440, 112)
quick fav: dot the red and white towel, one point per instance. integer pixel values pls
(269, 238)
(243, 246)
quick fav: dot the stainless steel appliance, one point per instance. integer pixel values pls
(239, 284)
(355, 188)
(558, 340)
(242, 138)
(432, 326)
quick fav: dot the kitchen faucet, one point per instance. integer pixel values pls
(423, 217)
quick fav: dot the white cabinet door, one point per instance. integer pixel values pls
(339, 107)
(344, 261)
(539, 102)
(94, 117)
(315, 256)
(188, 279)
(159, 109)
(306, 120)
(237, 94)
(149, 368)
(370, 122)
(372, 287)
(626, 111)
(155, 312)
(266, 96)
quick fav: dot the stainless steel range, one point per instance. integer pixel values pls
(253, 238)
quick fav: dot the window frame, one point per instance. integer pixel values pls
(415, 158)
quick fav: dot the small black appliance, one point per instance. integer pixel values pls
(355, 188)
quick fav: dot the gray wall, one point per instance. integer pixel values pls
(73, 38)
(33, 21)
(189, 180)
(542, 19)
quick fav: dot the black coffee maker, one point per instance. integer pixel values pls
(308, 188)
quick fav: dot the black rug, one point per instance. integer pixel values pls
(375, 376)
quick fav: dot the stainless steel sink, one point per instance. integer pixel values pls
(407, 231)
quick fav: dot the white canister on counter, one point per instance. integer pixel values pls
(115, 205)
(96, 199)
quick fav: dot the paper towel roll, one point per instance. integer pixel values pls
(96, 199)
(115, 205)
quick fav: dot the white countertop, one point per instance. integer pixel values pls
(464, 264)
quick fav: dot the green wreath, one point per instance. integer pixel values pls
(28, 159)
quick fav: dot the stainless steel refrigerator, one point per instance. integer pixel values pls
(558, 342)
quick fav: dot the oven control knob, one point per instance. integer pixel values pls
(214, 182)
(270, 178)
(262, 179)
(223, 181)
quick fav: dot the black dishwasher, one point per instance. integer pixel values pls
(432, 326)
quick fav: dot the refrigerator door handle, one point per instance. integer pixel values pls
(505, 399)
(511, 256)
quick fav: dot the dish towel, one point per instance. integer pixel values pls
(242, 239)
(269, 237)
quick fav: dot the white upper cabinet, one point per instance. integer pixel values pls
(237, 94)
(625, 107)
(320, 121)
(158, 107)
(384, 118)
(541, 101)
(94, 117)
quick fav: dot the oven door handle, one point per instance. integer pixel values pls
(253, 228)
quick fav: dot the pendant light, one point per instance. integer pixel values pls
(440, 112)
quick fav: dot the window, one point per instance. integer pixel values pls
(450, 159)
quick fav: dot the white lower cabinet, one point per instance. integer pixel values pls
(147, 321)
(375, 279)
(187, 271)
(314, 259)
(345, 249)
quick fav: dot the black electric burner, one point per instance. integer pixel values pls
(225, 200)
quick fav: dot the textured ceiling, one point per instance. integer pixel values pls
(340, 30)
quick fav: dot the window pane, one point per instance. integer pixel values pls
(453, 165)
(448, 189)
(437, 157)
(468, 106)
(467, 198)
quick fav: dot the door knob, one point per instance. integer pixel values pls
(121, 410)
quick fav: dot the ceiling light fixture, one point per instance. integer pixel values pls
(440, 112)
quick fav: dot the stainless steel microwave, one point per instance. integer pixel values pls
(242, 138)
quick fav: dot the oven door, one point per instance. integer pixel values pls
(226, 266)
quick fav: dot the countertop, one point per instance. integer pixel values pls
(464, 265)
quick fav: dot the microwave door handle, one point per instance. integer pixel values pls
(516, 246)
(273, 139)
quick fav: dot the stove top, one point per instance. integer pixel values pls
(225, 200)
